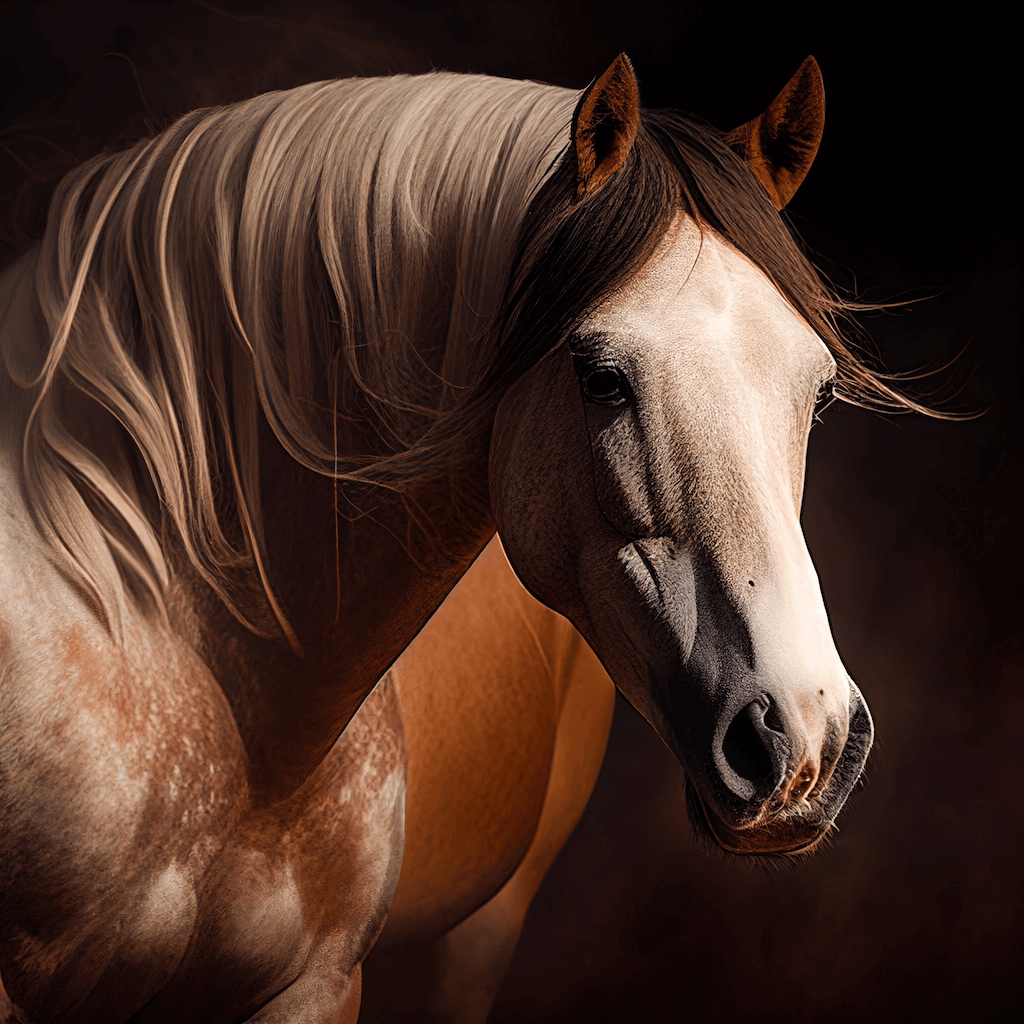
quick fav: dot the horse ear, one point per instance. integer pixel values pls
(780, 145)
(604, 126)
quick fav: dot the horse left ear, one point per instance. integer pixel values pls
(604, 126)
(780, 145)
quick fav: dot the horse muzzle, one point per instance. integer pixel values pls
(804, 801)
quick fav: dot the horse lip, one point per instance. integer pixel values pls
(756, 840)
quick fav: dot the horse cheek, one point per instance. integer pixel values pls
(540, 479)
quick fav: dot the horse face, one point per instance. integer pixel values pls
(647, 484)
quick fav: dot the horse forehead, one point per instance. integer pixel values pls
(701, 300)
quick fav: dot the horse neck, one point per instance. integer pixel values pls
(356, 587)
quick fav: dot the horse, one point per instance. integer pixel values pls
(273, 378)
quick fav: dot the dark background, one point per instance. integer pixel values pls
(915, 912)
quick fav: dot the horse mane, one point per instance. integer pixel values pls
(324, 258)
(364, 266)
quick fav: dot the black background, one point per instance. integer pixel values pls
(914, 913)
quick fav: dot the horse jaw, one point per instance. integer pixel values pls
(666, 528)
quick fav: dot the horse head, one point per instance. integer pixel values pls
(647, 476)
(630, 328)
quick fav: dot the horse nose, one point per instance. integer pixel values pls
(755, 751)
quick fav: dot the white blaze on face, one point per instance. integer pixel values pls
(724, 374)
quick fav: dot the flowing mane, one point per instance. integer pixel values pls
(362, 265)
(274, 379)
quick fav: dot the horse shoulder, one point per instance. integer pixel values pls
(133, 866)
(117, 772)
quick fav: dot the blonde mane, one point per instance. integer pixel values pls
(365, 265)
(328, 256)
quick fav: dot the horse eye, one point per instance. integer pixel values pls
(605, 386)
(826, 396)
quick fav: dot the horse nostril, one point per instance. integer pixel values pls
(755, 749)
(744, 752)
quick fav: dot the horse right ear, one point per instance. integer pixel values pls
(604, 126)
(779, 146)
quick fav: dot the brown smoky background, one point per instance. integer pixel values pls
(914, 912)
